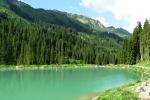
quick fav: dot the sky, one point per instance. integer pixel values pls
(117, 13)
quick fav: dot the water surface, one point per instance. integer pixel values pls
(60, 83)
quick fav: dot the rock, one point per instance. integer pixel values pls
(144, 91)
(148, 83)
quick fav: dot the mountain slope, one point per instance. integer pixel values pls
(45, 16)
(77, 22)
(23, 42)
(94, 24)
(119, 31)
(97, 26)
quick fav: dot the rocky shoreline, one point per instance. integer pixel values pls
(144, 91)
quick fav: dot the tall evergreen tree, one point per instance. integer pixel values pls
(136, 43)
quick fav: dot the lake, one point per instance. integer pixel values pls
(61, 83)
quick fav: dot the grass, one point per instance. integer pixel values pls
(144, 63)
(119, 94)
(123, 93)
(127, 92)
(51, 65)
(43, 67)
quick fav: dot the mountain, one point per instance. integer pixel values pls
(38, 36)
(97, 26)
(78, 22)
(93, 24)
(118, 31)
(45, 16)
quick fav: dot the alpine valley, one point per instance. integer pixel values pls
(38, 36)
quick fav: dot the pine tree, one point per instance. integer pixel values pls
(136, 43)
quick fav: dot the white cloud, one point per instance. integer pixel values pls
(102, 20)
(98, 5)
(130, 11)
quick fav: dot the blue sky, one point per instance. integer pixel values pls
(117, 13)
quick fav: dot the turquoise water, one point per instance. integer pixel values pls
(60, 83)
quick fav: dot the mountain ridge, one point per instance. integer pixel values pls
(78, 22)
(26, 38)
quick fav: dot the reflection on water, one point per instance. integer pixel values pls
(60, 83)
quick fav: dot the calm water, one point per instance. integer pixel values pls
(61, 83)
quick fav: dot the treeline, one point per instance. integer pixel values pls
(137, 49)
(22, 42)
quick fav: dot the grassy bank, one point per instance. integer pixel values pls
(44, 67)
(127, 92)
(122, 93)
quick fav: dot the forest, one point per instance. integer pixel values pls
(137, 48)
(26, 40)
(26, 43)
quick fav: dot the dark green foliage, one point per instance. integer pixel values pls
(136, 43)
(45, 16)
(131, 47)
(138, 49)
(125, 52)
(78, 22)
(145, 41)
(37, 36)
(28, 43)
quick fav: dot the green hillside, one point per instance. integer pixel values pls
(77, 22)
(25, 39)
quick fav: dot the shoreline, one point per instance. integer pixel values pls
(129, 88)
(47, 67)
(144, 90)
(36, 67)
(135, 68)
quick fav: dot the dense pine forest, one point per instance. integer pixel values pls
(137, 48)
(28, 43)
(27, 38)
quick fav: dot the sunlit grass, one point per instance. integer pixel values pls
(123, 93)
(128, 92)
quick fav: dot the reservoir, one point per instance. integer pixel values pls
(61, 83)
